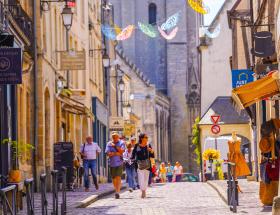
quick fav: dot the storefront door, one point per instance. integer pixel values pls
(3, 131)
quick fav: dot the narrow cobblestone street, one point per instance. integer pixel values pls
(175, 198)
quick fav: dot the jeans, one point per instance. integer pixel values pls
(150, 178)
(169, 177)
(130, 173)
(89, 164)
(178, 178)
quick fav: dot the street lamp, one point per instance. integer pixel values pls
(106, 60)
(121, 85)
(129, 108)
(67, 16)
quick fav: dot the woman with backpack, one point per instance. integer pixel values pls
(142, 152)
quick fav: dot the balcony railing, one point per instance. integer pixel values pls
(21, 18)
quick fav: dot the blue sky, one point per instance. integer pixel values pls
(214, 6)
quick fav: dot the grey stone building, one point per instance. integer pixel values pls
(173, 66)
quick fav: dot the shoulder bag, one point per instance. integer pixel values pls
(144, 164)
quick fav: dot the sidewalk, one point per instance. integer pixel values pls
(249, 202)
(77, 199)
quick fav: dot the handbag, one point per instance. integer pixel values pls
(83, 151)
(144, 164)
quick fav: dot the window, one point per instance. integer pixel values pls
(152, 14)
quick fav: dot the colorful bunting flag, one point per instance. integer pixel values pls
(213, 34)
(198, 6)
(148, 29)
(169, 36)
(171, 22)
(109, 32)
(126, 33)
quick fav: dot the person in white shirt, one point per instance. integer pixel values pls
(178, 171)
(129, 167)
(89, 151)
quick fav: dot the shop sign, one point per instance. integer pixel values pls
(241, 77)
(116, 123)
(129, 129)
(10, 66)
(73, 60)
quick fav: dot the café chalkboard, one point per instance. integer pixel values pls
(64, 156)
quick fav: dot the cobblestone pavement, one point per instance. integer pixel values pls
(74, 199)
(173, 199)
(249, 202)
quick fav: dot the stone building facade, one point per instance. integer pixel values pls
(172, 66)
(59, 119)
(149, 107)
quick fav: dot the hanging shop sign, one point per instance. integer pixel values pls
(241, 77)
(129, 129)
(10, 66)
(116, 123)
(73, 60)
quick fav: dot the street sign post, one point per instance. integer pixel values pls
(215, 129)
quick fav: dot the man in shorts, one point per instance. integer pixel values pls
(114, 151)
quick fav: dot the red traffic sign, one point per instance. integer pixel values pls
(215, 129)
(215, 119)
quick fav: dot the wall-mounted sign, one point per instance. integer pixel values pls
(129, 129)
(73, 60)
(116, 123)
(10, 66)
(241, 77)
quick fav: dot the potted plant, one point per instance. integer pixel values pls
(18, 149)
(211, 155)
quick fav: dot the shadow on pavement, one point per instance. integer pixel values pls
(98, 210)
(266, 209)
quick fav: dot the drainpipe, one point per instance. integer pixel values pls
(35, 123)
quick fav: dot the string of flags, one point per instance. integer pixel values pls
(168, 30)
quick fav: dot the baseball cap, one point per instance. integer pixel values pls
(114, 133)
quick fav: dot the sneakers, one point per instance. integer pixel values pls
(117, 196)
(130, 190)
(86, 189)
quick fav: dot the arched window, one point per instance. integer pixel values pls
(152, 14)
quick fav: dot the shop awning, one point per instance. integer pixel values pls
(253, 92)
(73, 106)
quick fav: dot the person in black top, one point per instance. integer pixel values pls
(142, 152)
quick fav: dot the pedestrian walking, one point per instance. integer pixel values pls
(133, 143)
(178, 171)
(169, 172)
(88, 152)
(142, 153)
(129, 167)
(114, 151)
(162, 172)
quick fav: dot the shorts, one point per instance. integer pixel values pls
(116, 171)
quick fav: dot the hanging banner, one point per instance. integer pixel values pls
(10, 66)
(241, 77)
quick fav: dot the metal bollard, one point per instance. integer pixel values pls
(43, 190)
(29, 186)
(54, 174)
(64, 184)
(7, 207)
